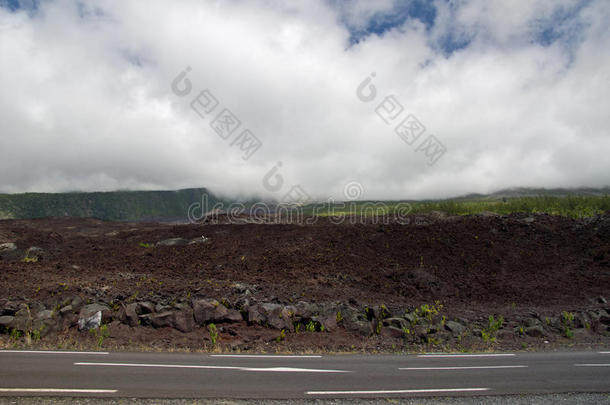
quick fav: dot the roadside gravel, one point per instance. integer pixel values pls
(571, 398)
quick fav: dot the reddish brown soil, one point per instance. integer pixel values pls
(477, 263)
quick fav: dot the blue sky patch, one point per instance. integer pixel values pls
(450, 43)
(14, 5)
(563, 25)
(381, 23)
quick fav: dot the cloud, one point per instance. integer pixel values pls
(516, 92)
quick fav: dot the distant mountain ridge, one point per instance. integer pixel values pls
(537, 192)
(174, 205)
(112, 205)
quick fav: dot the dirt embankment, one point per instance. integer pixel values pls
(432, 283)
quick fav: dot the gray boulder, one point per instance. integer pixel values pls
(581, 320)
(255, 315)
(34, 307)
(329, 322)
(44, 315)
(90, 322)
(145, 307)
(604, 317)
(89, 310)
(535, 331)
(409, 317)
(162, 320)
(210, 310)
(183, 320)
(306, 309)
(145, 320)
(9, 250)
(363, 328)
(241, 288)
(7, 247)
(67, 310)
(9, 308)
(454, 327)
(279, 317)
(399, 323)
(381, 312)
(44, 327)
(23, 319)
(77, 303)
(128, 315)
(180, 320)
(181, 305)
(35, 253)
(173, 242)
(198, 241)
(273, 315)
(394, 332)
(5, 322)
(162, 307)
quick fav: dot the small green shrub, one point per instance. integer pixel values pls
(489, 331)
(37, 333)
(213, 333)
(15, 334)
(432, 341)
(429, 311)
(567, 319)
(281, 337)
(384, 313)
(310, 327)
(100, 334)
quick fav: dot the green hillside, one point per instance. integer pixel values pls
(574, 203)
(116, 205)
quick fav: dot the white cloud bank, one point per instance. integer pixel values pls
(86, 100)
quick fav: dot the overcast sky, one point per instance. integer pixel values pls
(511, 93)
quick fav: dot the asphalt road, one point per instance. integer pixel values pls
(171, 375)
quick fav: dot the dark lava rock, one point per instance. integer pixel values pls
(210, 310)
(454, 327)
(535, 331)
(173, 242)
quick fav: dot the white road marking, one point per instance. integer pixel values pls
(293, 370)
(48, 352)
(264, 356)
(592, 365)
(59, 390)
(268, 369)
(604, 352)
(459, 368)
(431, 390)
(467, 355)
